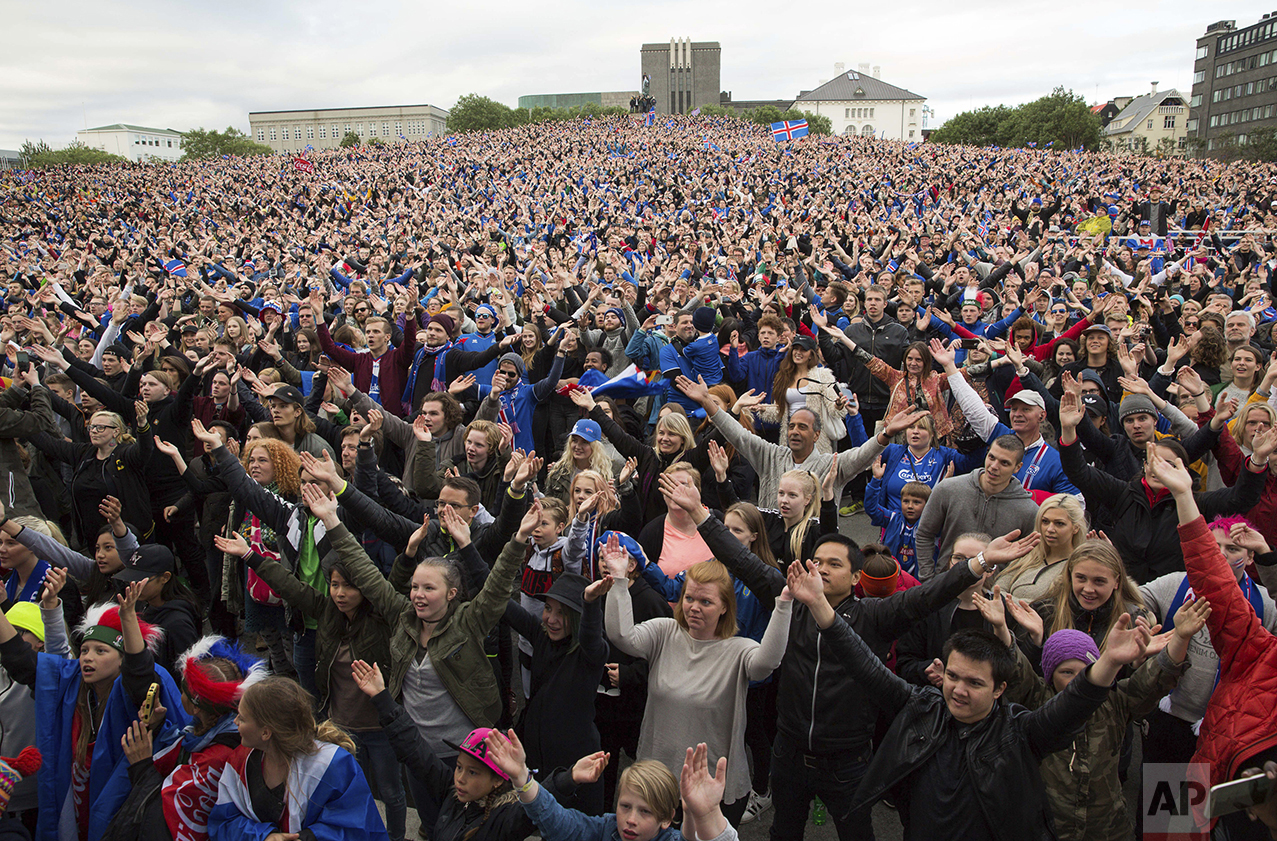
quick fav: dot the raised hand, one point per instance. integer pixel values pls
(804, 583)
(718, 460)
(1172, 474)
(1262, 445)
(416, 538)
(1126, 642)
(942, 354)
(421, 429)
(599, 588)
(323, 470)
(696, 391)
(54, 580)
(456, 526)
(530, 521)
(879, 467)
(204, 436)
(1007, 548)
(902, 421)
(615, 559)
(1248, 538)
(375, 418)
(128, 599)
(1071, 412)
(109, 508)
(320, 502)
(232, 544)
(935, 673)
(528, 469)
(507, 753)
(702, 792)
(685, 496)
(136, 742)
(462, 383)
(631, 464)
(581, 397)
(368, 678)
(1026, 617)
(588, 769)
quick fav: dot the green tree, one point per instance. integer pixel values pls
(479, 113)
(210, 143)
(715, 111)
(39, 155)
(349, 140)
(1061, 120)
(1261, 145)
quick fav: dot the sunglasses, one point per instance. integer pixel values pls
(1058, 312)
(1193, 323)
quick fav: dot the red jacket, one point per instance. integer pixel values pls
(1232, 461)
(1239, 720)
(393, 377)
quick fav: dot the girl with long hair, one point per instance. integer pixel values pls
(290, 775)
(1061, 521)
(802, 382)
(585, 450)
(354, 621)
(1090, 595)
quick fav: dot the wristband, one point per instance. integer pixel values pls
(1250, 461)
(523, 789)
(4, 522)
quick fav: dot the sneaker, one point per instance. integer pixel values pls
(851, 510)
(758, 803)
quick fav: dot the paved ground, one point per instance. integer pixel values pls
(886, 821)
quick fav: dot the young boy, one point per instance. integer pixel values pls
(546, 562)
(899, 528)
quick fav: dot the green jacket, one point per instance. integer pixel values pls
(456, 646)
(368, 634)
(1082, 785)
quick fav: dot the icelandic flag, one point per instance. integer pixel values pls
(175, 268)
(651, 116)
(629, 383)
(309, 148)
(984, 225)
(789, 130)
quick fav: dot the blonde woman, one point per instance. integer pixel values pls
(1062, 523)
(111, 464)
(584, 451)
(1089, 595)
(698, 669)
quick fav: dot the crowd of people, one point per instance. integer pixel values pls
(505, 478)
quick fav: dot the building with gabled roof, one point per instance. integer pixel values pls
(860, 102)
(137, 143)
(1146, 122)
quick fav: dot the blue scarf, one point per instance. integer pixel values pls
(437, 382)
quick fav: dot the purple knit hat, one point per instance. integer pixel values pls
(1068, 644)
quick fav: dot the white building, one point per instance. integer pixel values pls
(137, 143)
(1154, 122)
(293, 131)
(858, 102)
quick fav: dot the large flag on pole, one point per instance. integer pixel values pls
(789, 130)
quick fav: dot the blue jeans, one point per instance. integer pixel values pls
(798, 776)
(377, 759)
(304, 660)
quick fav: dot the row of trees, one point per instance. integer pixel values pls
(200, 143)
(38, 155)
(479, 113)
(1060, 121)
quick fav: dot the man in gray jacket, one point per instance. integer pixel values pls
(990, 500)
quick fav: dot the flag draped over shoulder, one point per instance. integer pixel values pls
(789, 130)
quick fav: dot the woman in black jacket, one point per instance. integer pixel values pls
(477, 800)
(111, 464)
(568, 655)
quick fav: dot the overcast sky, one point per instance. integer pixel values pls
(181, 65)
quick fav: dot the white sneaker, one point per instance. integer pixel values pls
(758, 803)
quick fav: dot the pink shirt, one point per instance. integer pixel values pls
(681, 551)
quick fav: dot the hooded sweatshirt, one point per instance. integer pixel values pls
(959, 505)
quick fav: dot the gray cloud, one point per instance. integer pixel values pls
(184, 64)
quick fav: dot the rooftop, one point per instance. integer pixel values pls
(1140, 108)
(354, 108)
(127, 127)
(854, 87)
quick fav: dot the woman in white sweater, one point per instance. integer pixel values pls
(698, 669)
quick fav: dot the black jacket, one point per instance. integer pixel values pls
(1002, 751)
(886, 340)
(181, 623)
(557, 726)
(1148, 539)
(1122, 459)
(821, 704)
(924, 642)
(123, 474)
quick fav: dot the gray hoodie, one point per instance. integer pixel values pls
(959, 505)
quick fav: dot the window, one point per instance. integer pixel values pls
(385, 129)
(1263, 59)
(913, 112)
(1214, 121)
(347, 131)
(910, 134)
(846, 113)
(323, 133)
(272, 134)
(871, 113)
(170, 144)
(359, 129)
(1150, 124)
(1168, 122)
(1199, 77)
(1202, 52)
(1191, 125)
(310, 132)
(372, 129)
(285, 134)
(336, 134)
(1219, 70)
(261, 135)
(1195, 102)
(398, 128)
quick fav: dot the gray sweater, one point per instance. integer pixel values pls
(959, 505)
(771, 461)
(1188, 700)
